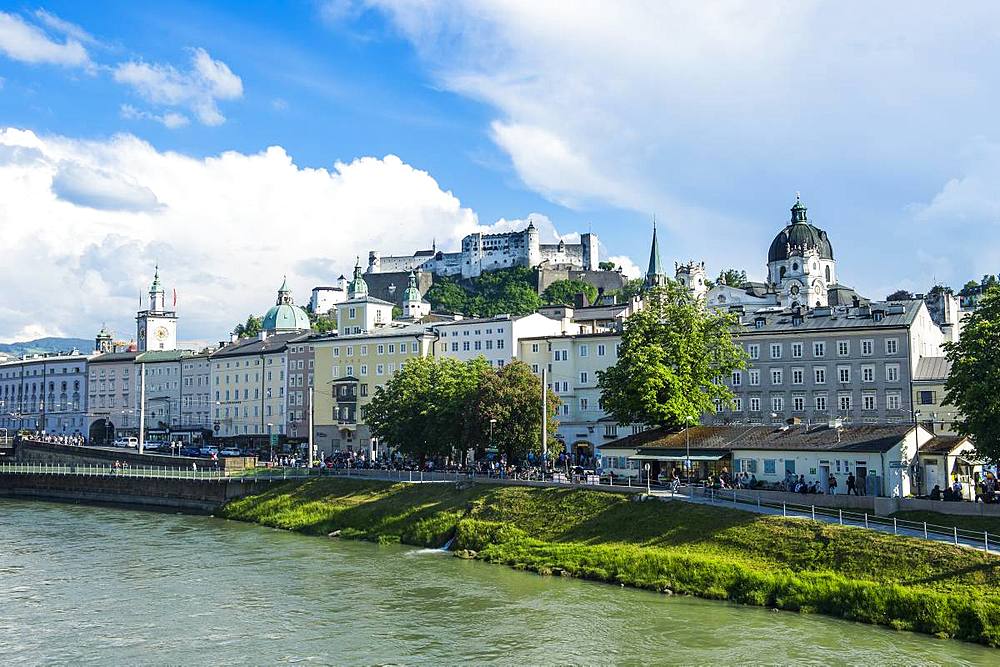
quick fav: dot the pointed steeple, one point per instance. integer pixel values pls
(654, 273)
(358, 288)
(284, 294)
(798, 210)
(155, 287)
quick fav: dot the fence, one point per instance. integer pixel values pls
(959, 536)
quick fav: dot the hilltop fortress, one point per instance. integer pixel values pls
(490, 252)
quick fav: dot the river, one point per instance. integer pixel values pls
(102, 586)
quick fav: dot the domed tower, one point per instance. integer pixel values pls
(414, 306)
(800, 262)
(357, 288)
(103, 342)
(534, 244)
(692, 276)
(284, 316)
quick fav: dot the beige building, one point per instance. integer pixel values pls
(111, 401)
(348, 371)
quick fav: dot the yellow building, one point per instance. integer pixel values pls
(348, 370)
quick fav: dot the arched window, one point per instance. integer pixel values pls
(828, 274)
(782, 273)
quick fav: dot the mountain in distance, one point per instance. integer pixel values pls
(46, 345)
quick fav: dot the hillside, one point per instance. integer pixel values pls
(49, 344)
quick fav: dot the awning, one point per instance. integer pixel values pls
(676, 457)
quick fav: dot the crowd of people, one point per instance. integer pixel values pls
(75, 439)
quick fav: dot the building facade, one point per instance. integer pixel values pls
(45, 393)
(196, 396)
(156, 327)
(301, 359)
(494, 338)
(110, 400)
(490, 252)
(855, 365)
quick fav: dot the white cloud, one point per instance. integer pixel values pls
(64, 27)
(198, 90)
(32, 331)
(224, 229)
(28, 43)
(627, 266)
(170, 119)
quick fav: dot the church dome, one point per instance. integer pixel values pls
(285, 315)
(412, 293)
(799, 233)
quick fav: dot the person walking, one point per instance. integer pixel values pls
(852, 486)
(832, 484)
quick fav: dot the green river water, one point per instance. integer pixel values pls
(101, 586)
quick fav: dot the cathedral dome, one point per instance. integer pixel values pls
(799, 233)
(285, 315)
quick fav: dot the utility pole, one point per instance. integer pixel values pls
(142, 406)
(312, 398)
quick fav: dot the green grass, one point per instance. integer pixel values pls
(973, 523)
(694, 549)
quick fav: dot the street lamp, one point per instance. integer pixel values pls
(687, 438)
(270, 441)
(492, 422)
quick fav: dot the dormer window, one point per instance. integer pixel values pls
(759, 322)
(878, 315)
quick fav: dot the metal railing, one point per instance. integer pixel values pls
(977, 539)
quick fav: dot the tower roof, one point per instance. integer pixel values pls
(155, 287)
(799, 233)
(412, 293)
(284, 315)
(655, 267)
(357, 288)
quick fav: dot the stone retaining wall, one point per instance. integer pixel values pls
(30, 451)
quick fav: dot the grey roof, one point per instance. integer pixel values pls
(113, 357)
(860, 438)
(942, 444)
(932, 368)
(484, 320)
(154, 356)
(251, 346)
(896, 314)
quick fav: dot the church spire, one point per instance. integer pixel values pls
(654, 273)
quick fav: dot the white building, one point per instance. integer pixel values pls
(489, 252)
(494, 338)
(156, 327)
(45, 392)
(326, 297)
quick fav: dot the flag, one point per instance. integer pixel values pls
(175, 297)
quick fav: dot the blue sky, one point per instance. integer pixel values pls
(139, 132)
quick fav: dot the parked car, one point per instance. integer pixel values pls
(120, 442)
(208, 451)
(189, 451)
(230, 451)
(155, 446)
(127, 442)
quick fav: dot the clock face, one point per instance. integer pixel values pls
(161, 333)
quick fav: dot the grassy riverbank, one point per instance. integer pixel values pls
(706, 551)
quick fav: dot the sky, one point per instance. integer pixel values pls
(235, 143)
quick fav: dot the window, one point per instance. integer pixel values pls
(380, 349)
(583, 350)
(797, 375)
(754, 374)
(891, 345)
(819, 349)
(755, 404)
(737, 404)
(601, 350)
(819, 375)
(489, 345)
(844, 374)
(820, 402)
(534, 368)
(777, 403)
(867, 347)
(892, 372)
(737, 378)
(843, 348)
(379, 369)
(718, 405)
(534, 347)
(769, 466)
(478, 345)
(753, 351)
(776, 376)
(465, 345)
(583, 378)
(584, 404)
(454, 346)
(868, 373)
(392, 348)
(561, 355)
(364, 369)
(844, 401)
(499, 343)
(797, 350)
(611, 431)
(776, 350)
(798, 404)
(892, 401)
(868, 402)
(927, 397)
(352, 313)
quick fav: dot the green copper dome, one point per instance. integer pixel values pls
(357, 288)
(412, 293)
(285, 315)
(800, 233)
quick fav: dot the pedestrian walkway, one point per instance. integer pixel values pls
(750, 502)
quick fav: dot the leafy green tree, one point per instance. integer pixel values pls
(671, 354)
(512, 396)
(565, 291)
(632, 288)
(733, 278)
(512, 291)
(252, 327)
(973, 387)
(446, 295)
(900, 295)
(971, 285)
(606, 266)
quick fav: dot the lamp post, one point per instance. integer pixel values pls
(492, 422)
(270, 442)
(687, 441)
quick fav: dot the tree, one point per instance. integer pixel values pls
(732, 278)
(512, 291)
(446, 295)
(970, 286)
(900, 295)
(671, 355)
(252, 327)
(972, 386)
(512, 396)
(632, 288)
(565, 291)
(606, 266)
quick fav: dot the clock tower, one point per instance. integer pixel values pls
(156, 328)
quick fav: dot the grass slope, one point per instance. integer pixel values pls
(699, 550)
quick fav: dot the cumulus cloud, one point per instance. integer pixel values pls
(64, 27)
(26, 42)
(199, 89)
(627, 266)
(224, 228)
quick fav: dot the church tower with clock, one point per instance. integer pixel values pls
(156, 328)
